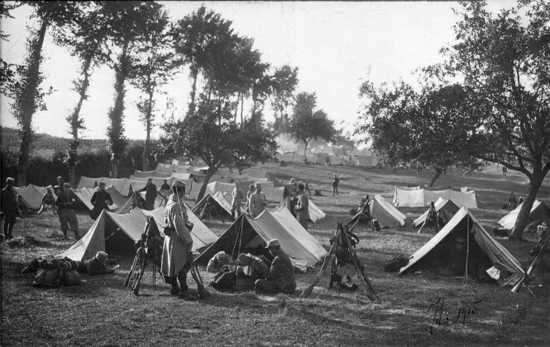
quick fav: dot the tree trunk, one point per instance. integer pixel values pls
(209, 174)
(438, 172)
(74, 118)
(194, 73)
(116, 130)
(242, 109)
(523, 216)
(27, 102)
(305, 152)
(148, 128)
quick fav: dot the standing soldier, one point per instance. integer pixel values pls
(236, 202)
(177, 256)
(101, 200)
(257, 202)
(150, 194)
(335, 183)
(65, 202)
(9, 207)
(302, 206)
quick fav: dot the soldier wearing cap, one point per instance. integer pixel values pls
(280, 278)
(65, 202)
(302, 206)
(177, 256)
(9, 207)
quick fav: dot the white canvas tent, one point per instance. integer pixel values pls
(441, 249)
(127, 227)
(420, 197)
(120, 184)
(539, 212)
(315, 213)
(31, 195)
(85, 196)
(446, 209)
(386, 214)
(249, 234)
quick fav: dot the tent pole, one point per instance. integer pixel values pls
(467, 250)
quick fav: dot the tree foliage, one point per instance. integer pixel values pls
(211, 134)
(430, 127)
(308, 124)
(129, 23)
(503, 60)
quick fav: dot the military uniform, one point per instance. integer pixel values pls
(280, 277)
(99, 200)
(65, 203)
(9, 209)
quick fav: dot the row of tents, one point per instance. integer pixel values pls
(114, 231)
(420, 197)
(119, 231)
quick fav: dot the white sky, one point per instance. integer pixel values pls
(335, 46)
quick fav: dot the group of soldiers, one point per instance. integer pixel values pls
(177, 257)
(295, 198)
(61, 196)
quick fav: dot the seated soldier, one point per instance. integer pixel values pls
(218, 262)
(280, 277)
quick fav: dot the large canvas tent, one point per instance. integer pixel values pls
(420, 197)
(450, 247)
(446, 209)
(118, 232)
(385, 213)
(539, 212)
(248, 234)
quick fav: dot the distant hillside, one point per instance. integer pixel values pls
(45, 145)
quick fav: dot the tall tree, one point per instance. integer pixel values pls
(307, 124)
(426, 127)
(128, 23)
(26, 91)
(196, 37)
(284, 82)
(504, 62)
(86, 38)
(210, 134)
(153, 66)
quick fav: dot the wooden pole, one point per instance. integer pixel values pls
(467, 250)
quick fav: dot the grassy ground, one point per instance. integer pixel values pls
(102, 312)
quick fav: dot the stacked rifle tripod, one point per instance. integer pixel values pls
(342, 251)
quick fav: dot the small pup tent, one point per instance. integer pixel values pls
(446, 209)
(213, 205)
(386, 214)
(419, 197)
(31, 195)
(539, 212)
(248, 234)
(463, 243)
(85, 196)
(111, 232)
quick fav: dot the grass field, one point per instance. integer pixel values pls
(101, 312)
